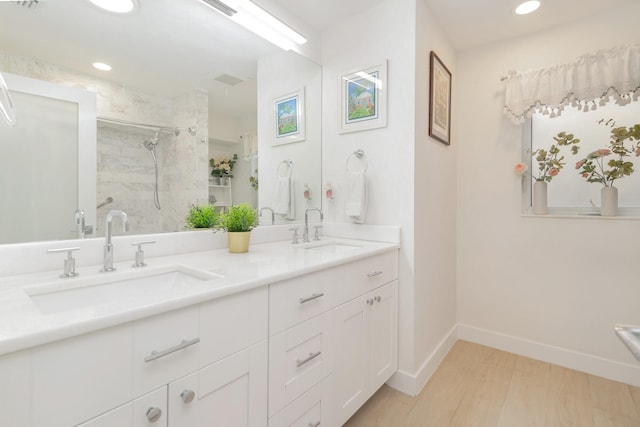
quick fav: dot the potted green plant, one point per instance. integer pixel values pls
(205, 216)
(238, 222)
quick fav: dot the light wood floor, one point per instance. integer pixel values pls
(477, 386)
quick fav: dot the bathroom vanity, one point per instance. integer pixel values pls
(286, 335)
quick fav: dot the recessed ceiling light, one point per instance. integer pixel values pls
(116, 6)
(527, 7)
(102, 66)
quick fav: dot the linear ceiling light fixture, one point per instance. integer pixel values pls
(259, 21)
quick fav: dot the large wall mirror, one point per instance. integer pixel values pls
(187, 85)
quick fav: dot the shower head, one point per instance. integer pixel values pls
(150, 144)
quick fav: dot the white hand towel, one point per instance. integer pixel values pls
(282, 202)
(356, 194)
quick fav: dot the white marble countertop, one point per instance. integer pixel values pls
(23, 324)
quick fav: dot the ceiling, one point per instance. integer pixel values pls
(169, 46)
(472, 23)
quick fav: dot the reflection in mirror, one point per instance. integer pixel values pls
(175, 72)
(569, 189)
(290, 173)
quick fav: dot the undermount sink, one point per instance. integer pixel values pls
(630, 336)
(329, 246)
(143, 286)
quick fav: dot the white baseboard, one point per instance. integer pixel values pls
(616, 371)
(412, 384)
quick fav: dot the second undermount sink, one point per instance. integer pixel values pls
(139, 287)
(329, 246)
(630, 336)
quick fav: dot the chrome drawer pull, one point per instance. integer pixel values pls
(378, 299)
(307, 359)
(314, 424)
(311, 298)
(370, 301)
(158, 354)
(374, 274)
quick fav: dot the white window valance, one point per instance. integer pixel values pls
(586, 83)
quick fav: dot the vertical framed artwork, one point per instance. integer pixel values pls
(363, 103)
(288, 118)
(439, 100)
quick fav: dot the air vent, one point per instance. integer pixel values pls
(31, 4)
(228, 80)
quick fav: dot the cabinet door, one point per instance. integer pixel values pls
(14, 393)
(228, 393)
(78, 378)
(383, 331)
(119, 417)
(351, 343)
(149, 410)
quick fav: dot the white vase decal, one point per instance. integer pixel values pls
(540, 198)
(609, 201)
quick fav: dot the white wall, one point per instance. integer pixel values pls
(435, 207)
(551, 288)
(411, 177)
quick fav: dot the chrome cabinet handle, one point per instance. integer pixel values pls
(311, 298)
(307, 359)
(314, 424)
(154, 414)
(374, 274)
(370, 301)
(158, 354)
(377, 299)
(187, 396)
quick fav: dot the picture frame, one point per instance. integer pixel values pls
(289, 118)
(363, 99)
(439, 100)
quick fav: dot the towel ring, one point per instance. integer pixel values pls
(355, 158)
(288, 169)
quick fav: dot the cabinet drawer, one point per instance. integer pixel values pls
(361, 276)
(299, 358)
(77, 378)
(310, 409)
(296, 300)
(230, 324)
(165, 348)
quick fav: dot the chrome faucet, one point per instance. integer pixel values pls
(273, 216)
(305, 234)
(108, 247)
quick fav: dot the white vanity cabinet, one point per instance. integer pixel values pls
(332, 341)
(210, 356)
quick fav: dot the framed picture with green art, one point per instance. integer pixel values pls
(363, 99)
(288, 118)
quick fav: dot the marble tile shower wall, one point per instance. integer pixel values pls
(125, 168)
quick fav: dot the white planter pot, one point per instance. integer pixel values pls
(609, 201)
(540, 198)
